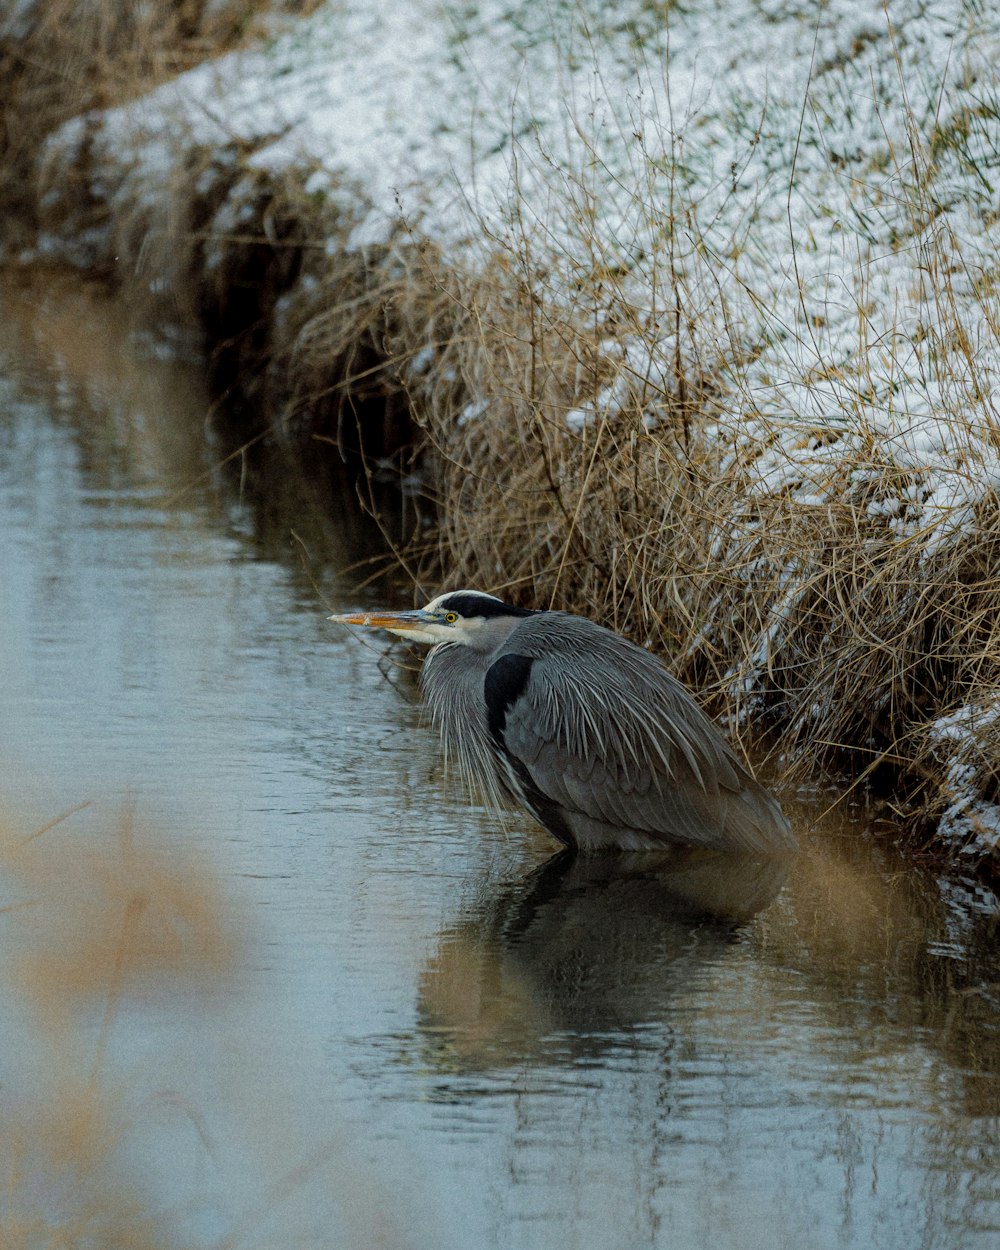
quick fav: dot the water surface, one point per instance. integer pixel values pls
(276, 985)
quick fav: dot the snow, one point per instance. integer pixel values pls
(786, 127)
(968, 821)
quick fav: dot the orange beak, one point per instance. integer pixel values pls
(399, 621)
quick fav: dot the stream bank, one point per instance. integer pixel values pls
(718, 374)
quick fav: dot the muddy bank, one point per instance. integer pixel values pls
(720, 377)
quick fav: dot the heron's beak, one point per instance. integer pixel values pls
(398, 622)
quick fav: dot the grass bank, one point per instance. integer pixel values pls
(685, 315)
(60, 59)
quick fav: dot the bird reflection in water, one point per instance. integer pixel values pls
(563, 960)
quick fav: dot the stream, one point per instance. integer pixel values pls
(269, 980)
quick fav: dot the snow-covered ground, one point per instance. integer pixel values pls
(819, 178)
(823, 170)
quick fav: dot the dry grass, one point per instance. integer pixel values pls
(604, 454)
(816, 621)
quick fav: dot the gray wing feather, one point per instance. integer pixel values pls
(604, 731)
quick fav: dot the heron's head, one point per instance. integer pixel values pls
(468, 617)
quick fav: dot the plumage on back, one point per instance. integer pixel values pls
(596, 738)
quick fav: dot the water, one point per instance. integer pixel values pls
(275, 985)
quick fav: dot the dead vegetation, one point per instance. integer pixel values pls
(819, 615)
(841, 636)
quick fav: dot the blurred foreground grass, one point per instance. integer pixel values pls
(100, 917)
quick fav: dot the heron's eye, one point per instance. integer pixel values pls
(450, 618)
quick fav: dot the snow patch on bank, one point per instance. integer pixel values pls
(828, 180)
(968, 820)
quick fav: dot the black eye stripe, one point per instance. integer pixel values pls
(467, 604)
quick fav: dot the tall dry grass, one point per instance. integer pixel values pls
(604, 452)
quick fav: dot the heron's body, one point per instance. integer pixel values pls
(584, 728)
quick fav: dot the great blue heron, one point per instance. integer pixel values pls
(589, 731)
